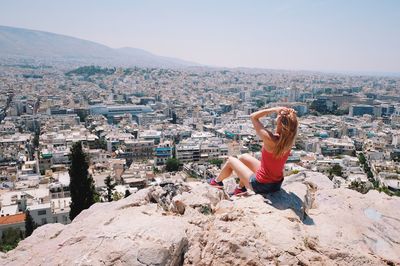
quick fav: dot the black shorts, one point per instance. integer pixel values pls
(263, 188)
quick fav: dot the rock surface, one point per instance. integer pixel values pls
(307, 223)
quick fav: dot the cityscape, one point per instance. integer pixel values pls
(132, 120)
(127, 121)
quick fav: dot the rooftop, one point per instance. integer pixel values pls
(12, 219)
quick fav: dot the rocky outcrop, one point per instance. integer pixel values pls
(309, 222)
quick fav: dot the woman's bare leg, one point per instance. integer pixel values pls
(250, 162)
(226, 171)
(241, 170)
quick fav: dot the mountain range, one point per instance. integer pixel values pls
(48, 48)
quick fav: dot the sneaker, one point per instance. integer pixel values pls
(239, 191)
(214, 183)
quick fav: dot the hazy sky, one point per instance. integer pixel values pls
(338, 35)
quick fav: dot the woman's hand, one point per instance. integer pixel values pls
(265, 112)
(286, 111)
(281, 110)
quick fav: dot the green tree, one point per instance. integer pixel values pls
(81, 183)
(110, 186)
(218, 162)
(127, 193)
(88, 71)
(97, 197)
(367, 170)
(117, 196)
(10, 239)
(172, 165)
(255, 147)
(260, 103)
(295, 171)
(82, 115)
(30, 225)
(35, 140)
(313, 105)
(336, 170)
(174, 118)
(361, 158)
(100, 143)
(155, 170)
(359, 186)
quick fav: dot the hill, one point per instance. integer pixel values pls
(24, 45)
(309, 222)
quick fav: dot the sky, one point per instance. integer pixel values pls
(324, 35)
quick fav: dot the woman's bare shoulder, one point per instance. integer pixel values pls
(268, 147)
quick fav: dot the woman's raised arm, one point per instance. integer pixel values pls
(263, 133)
(265, 112)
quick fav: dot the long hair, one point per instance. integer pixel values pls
(288, 134)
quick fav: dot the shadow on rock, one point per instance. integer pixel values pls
(282, 200)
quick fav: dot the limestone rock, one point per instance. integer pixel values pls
(308, 222)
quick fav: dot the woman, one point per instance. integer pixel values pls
(265, 176)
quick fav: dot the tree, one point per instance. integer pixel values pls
(30, 225)
(313, 105)
(117, 196)
(110, 186)
(100, 144)
(172, 165)
(127, 193)
(88, 71)
(218, 162)
(174, 118)
(336, 170)
(295, 171)
(155, 170)
(361, 158)
(260, 103)
(35, 140)
(97, 197)
(81, 183)
(10, 239)
(254, 147)
(362, 187)
(82, 115)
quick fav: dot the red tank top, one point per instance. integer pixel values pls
(271, 169)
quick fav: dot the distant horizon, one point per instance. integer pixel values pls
(202, 64)
(366, 73)
(360, 36)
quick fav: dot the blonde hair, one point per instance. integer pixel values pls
(288, 134)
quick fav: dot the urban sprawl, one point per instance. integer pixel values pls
(132, 121)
